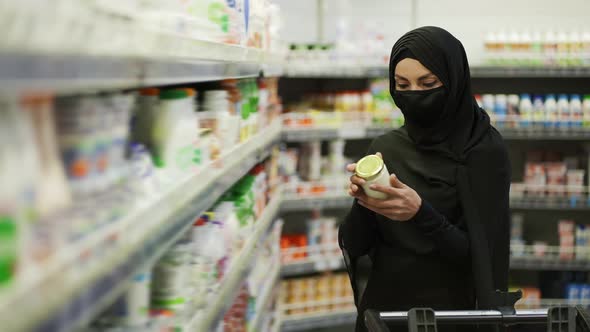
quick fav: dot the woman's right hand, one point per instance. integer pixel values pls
(355, 188)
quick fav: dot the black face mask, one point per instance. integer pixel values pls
(422, 108)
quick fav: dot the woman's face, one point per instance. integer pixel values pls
(411, 75)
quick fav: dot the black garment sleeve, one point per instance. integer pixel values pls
(452, 241)
(359, 230)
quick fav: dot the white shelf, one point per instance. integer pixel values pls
(220, 302)
(83, 73)
(312, 70)
(67, 296)
(74, 46)
(331, 201)
(305, 134)
(550, 203)
(547, 303)
(264, 298)
(337, 201)
(317, 258)
(318, 320)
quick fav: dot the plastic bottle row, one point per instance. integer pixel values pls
(254, 23)
(372, 106)
(315, 295)
(560, 111)
(74, 164)
(182, 282)
(538, 48)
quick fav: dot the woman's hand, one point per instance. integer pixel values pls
(402, 202)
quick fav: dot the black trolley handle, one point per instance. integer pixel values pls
(375, 321)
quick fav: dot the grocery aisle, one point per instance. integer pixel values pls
(180, 165)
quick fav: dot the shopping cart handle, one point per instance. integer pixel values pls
(561, 318)
(473, 316)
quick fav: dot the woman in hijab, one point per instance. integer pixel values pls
(441, 237)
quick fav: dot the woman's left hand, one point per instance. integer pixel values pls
(402, 202)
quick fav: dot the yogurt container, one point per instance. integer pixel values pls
(372, 169)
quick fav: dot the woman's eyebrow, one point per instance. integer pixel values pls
(429, 75)
(401, 77)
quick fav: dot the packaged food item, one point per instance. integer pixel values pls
(374, 171)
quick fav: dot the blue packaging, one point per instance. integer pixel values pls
(573, 291)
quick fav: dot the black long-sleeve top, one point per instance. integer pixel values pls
(429, 261)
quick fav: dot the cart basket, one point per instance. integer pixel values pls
(557, 319)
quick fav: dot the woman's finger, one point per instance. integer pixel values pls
(351, 167)
(356, 180)
(379, 155)
(354, 188)
(378, 203)
(390, 191)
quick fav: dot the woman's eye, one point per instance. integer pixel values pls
(429, 84)
(402, 86)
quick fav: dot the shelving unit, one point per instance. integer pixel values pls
(221, 301)
(332, 201)
(528, 72)
(99, 46)
(266, 296)
(335, 201)
(550, 203)
(316, 321)
(547, 303)
(329, 133)
(328, 70)
(79, 73)
(316, 258)
(50, 301)
(544, 264)
(360, 71)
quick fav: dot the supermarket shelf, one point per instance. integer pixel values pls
(309, 267)
(54, 302)
(266, 296)
(317, 71)
(544, 264)
(316, 321)
(291, 203)
(80, 73)
(294, 70)
(228, 290)
(528, 72)
(570, 134)
(325, 256)
(550, 203)
(547, 303)
(328, 133)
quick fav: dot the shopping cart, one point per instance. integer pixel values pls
(556, 319)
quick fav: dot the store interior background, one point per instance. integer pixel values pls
(188, 172)
(349, 24)
(469, 21)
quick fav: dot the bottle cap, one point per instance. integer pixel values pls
(369, 166)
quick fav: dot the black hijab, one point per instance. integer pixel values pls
(474, 158)
(464, 130)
